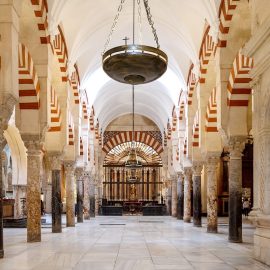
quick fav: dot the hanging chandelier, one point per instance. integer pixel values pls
(132, 160)
(134, 63)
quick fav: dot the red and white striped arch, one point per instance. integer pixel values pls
(71, 135)
(81, 147)
(174, 119)
(182, 111)
(84, 111)
(139, 136)
(238, 85)
(211, 113)
(97, 130)
(191, 84)
(169, 130)
(89, 154)
(60, 50)
(55, 124)
(92, 119)
(226, 12)
(208, 48)
(40, 8)
(196, 131)
(177, 154)
(75, 85)
(185, 146)
(29, 86)
(165, 141)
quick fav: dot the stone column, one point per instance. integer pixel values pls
(70, 188)
(32, 144)
(174, 196)
(79, 181)
(187, 194)
(55, 161)
(86, 194)
(92, 198)
(197, 200)
(211, 167)
(236, 146)
(180, 196)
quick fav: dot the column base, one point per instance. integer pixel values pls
(235, 240)
(187, 219)
(87, 217)
(1, 254)
(57, 230)
(79, 220)
(197, 224)
(31, 239)
(212, 229)
(70, 225)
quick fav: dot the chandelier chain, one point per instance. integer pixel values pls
(151, 22)
(140, 20)
(115, 21)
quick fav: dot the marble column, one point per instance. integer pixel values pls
(86, 194)
(187, 194)
(70, 189)
(92, 191)
(236, 146)
(211, 167)
(174, 196)
(32, 144)
(55, 161)
(79, 181)
(197, 200)
(180, 196)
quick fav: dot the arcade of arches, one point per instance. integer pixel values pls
(202, 130)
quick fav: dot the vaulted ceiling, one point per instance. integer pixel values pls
(86, 25)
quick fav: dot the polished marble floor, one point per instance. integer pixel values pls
(132, 243)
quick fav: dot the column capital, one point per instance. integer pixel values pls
(236, 146)
(32, 144)
(187, 171)
(180, 175)
(212, 162)
(55, 159)
(79, 172)
(197, 168)
(69, 166)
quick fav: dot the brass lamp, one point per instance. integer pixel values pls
(134, 64)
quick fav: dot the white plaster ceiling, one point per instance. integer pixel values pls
(86, 25)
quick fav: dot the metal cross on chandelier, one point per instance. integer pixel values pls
(133, 63)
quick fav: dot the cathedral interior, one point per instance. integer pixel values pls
(134, 134)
